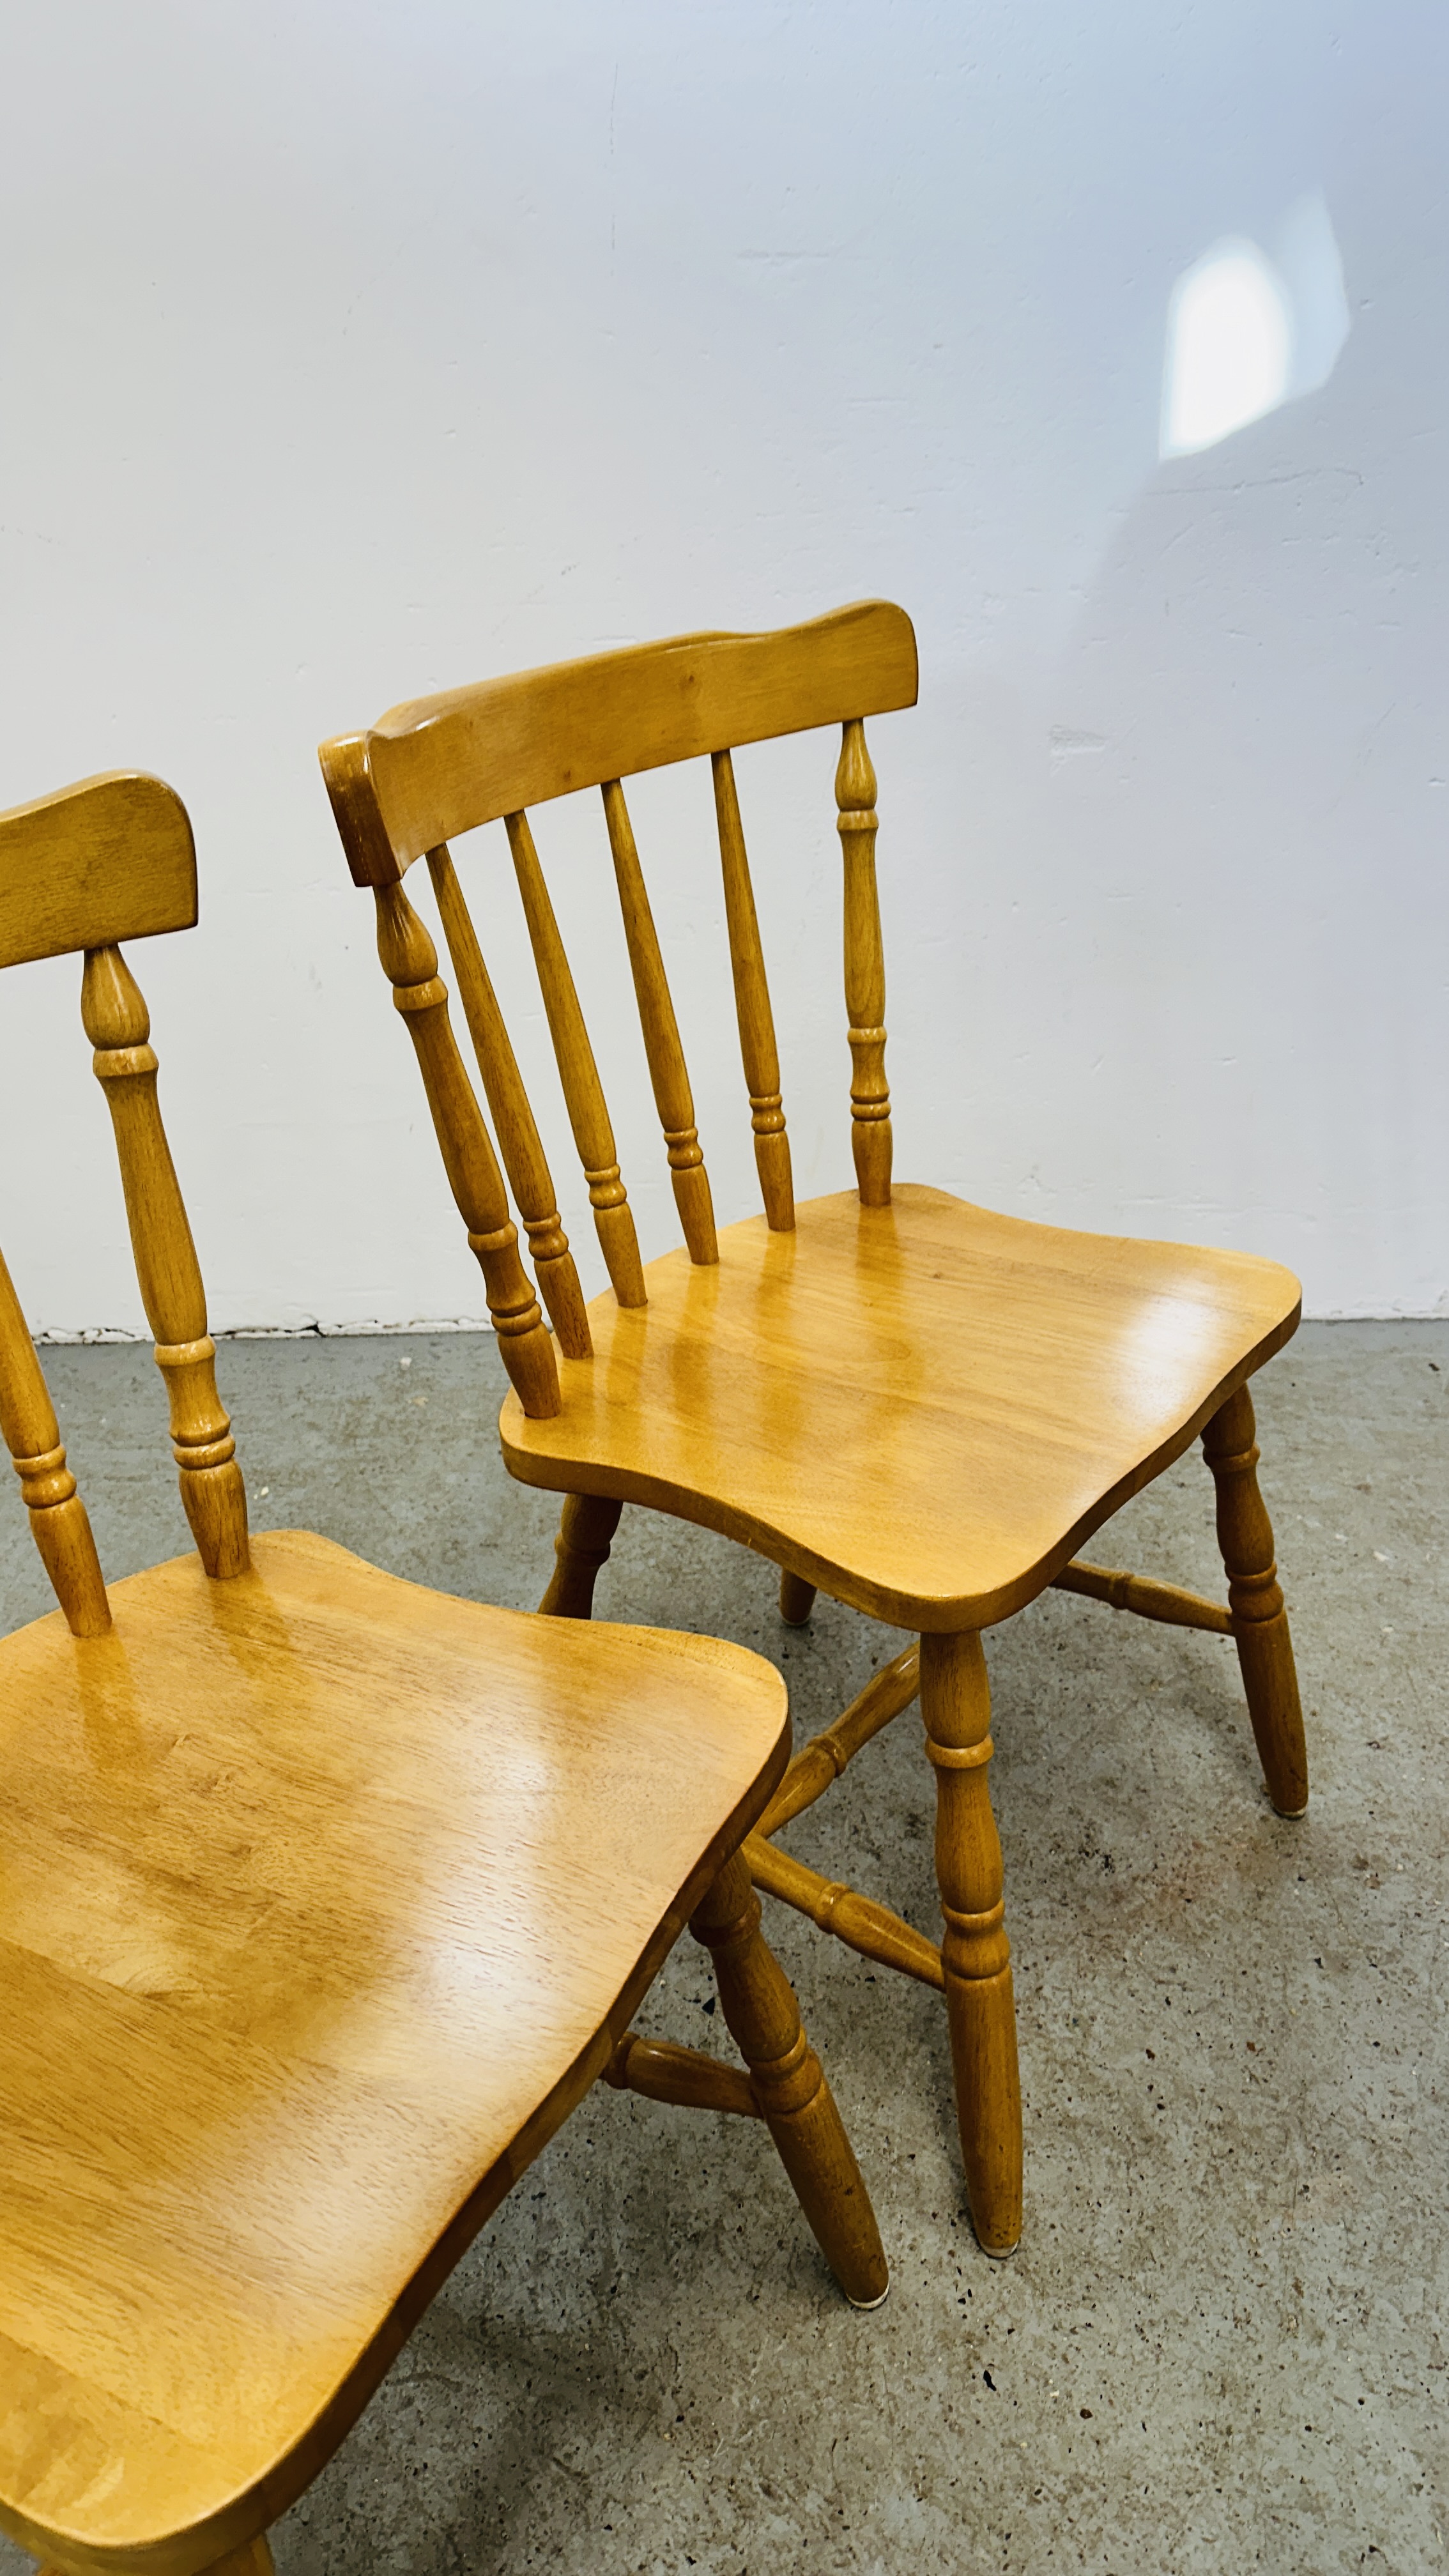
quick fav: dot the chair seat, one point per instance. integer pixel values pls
(322, 1900)
(922, 1408)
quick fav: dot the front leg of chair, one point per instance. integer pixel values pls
(1255, 1598)
(586, 1526)
(975, 1953)
(790, 2087)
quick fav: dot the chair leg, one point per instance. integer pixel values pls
(790, 2087)
(797, 1599)
(586, 1525)
(1260, 1622)
(956, 1705)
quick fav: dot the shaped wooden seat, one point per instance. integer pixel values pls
(919, 1406)
(1009, 1385)
(324, 1899)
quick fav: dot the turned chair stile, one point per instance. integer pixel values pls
(524, 1159)
(920, 1406)
(118, 1025)
(325, 1898)
(59, 1521)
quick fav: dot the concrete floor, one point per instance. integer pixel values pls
(1221, 2345)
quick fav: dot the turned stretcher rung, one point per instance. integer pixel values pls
(684, 2075)
(856, 1920)
(1149, 1600)
(823, 1759)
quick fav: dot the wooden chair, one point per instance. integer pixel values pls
(917, 1405)
(324, 1899)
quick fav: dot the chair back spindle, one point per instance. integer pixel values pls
(59, 1521)
(410, 963)
(519, 1142)
(118, 1025)
(758, 1051)
(870, 1099)
(583, 1092)
(668, 1073)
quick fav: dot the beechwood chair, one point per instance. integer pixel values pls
(324, 1899)
(907, 1401)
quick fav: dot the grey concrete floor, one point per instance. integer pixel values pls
(1222, 2343)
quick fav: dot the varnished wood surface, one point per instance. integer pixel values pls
(758, 1052)
(441, 765)
(668, 1072)
(323, 1898)
(975, 1951)
(1145, 1599)
(410, 963)
(59, 1522)
(583, 1092)
(870, 1101)
(110, 858)
(1255, 1598)
(924, 1408)
(168, 1273)
(509, 1107)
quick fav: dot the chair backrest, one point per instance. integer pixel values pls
(440, 766)
(111, 859)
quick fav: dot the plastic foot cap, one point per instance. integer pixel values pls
(865, 2305)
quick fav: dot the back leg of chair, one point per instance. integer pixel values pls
(586, 1526)
(790, 2086)
(797, 1599)
(1255, 1598)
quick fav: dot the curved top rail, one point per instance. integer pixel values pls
(109, 859)
(443, 765)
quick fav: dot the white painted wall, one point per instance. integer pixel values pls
(348, 352)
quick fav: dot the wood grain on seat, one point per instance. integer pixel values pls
(325, 1897)
(923, 1408)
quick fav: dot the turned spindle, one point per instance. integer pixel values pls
(59, 1522)
(975, 1952)
(118, 1025)
(758, 1051)
(870, 1099)
(1255, 1600)
(579, 1075)
(410, 963)
(668, 1073)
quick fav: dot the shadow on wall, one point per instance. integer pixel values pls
(1246, 767)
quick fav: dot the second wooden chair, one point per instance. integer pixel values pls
(918, 1405)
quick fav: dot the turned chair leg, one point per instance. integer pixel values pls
(975, 1954)
(797, 1599)
(587, 1524)
(1260, 1622)
(789, 2085)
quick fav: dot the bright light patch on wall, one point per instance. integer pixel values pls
(1246, 332)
